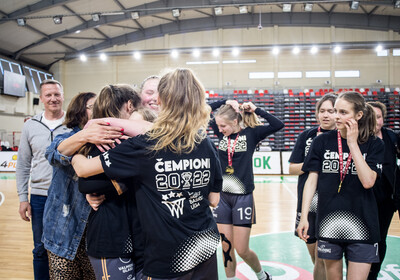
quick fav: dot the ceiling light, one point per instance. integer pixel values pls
(176, 13)
(379, 48)
(83, 57)
(196, 53)
(243, 9)
(112, 13)
(96, 17)
(397, 4)
(286, 8)
(174, 53)
(135, 15)
(314, 50)
(21, 22)
(215, 52)
(57, 19)
(103, 56)
(275, 50)
(337, 49)
(218, 11)
(308, 7)
(77, 31)
(354, 5)
(296, 50)
(137, 55)
(235, 51)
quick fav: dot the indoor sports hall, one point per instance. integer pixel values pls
(282, 56)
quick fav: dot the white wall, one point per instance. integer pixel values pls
(77, 76)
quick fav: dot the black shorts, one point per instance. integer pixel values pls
(113, 268)
(205, 271)
(312, 222)
(235, 209)
(354, 252)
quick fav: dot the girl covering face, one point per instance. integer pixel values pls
(344, 164)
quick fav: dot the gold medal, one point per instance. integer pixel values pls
(229, 170)
(340, 186)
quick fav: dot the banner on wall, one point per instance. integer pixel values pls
(285, 162)
(267, 163)
(8, 161)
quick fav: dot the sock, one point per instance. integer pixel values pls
(261, 275)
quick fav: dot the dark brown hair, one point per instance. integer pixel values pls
(329, 96)
(76, 112)
(379, 105)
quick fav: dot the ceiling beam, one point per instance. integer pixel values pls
(342, 20)
(37, 7)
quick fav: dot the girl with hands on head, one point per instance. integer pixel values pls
(344, 164)
(239, 131)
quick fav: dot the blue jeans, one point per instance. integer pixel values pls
(40, 259)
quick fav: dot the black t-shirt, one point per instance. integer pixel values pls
(172, 200)
(242, 180)
(298, 155)
(113, 230)
(350, 215)
(384, 187)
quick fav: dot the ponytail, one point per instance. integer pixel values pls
(367, 123)
(244, 119)
(250, 119)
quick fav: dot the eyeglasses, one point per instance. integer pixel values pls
(89, 107)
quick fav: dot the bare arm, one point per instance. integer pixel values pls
(295, 168)
(365, 174)
(213, 198)
(85, 167)
(132, 127)
(309, 190)
(97, 132)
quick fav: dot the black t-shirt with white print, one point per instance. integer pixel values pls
(351, 215)
(298, 155)
(242, 180)
(113, 230)
(172, 199)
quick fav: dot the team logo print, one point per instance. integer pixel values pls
(175, 206)
(186, 179)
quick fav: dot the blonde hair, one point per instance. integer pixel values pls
(367, 123)
(147, 114)
(244, 119)
(184, 115)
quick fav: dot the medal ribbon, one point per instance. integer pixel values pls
(342, 172)
(231, 152)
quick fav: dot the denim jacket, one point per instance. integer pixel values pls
(66, 211)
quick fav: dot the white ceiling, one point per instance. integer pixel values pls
(41, 42)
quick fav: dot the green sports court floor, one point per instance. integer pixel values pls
(286, 257)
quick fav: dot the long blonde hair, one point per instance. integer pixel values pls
(184, 115)
(244, 119)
